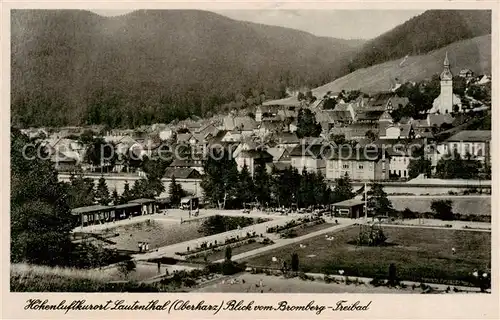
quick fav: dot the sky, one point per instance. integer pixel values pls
(345, 24)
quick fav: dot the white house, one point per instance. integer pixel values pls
(468, 142)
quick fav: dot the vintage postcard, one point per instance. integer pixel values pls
(250, 160)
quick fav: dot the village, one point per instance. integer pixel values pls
(299, 175)
(290, 132)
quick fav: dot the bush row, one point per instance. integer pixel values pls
(296, 223)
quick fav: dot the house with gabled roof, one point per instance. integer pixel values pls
(475, 143)
(399, 131)
(182, 173)
(308, 156)
(360, 163)
(252, 158)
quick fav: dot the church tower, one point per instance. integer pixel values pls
(446, 105)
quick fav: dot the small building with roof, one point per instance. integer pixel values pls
(352, 208)
(95, 214)
(148, 206)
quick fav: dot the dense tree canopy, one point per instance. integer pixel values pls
(40, 214)
(307, 125)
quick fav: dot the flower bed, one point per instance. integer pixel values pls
(296, 223)
(204, 247)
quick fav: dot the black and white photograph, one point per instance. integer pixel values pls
(260, 151)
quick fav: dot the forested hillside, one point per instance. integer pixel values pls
(431, 30)
(74, 67)
(474, 54)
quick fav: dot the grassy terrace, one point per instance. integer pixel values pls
(32, 278)
(419, 254)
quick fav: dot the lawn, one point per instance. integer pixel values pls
(463, 205)
(303, 231)
(419, 254)
(34, 278)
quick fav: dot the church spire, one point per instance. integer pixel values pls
(446, 74)
(446, 61)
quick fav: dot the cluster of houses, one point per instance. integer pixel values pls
(268, 137)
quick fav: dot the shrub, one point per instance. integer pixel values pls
(392, 275)
(377, 282)
(303, 276)
(295, 262)
(442, 209)
(229, 253)
(229, 267)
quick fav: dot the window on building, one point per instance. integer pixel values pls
(399, 173)
(360, 166)
(345, 166)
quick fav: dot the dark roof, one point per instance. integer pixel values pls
(287, 137)
(182, 173)
(369, 114)
(280, 166)
(349, 203)
(472, 136)
(255, 154)
(89, 209)
(380, 98)
(218, 137)
(341, 115)
(330, 152)
(163, 200)
(142, 200)
(127, 205)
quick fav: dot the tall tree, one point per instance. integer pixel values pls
(377, 202)
(155, 169)
(246, 188)
(80, 191)
(175, 191)
(306, 189)
(419, 164)
(342, 189)
(115, 197)
(307, 125)
(219, 181)
(102, 192)
(262, 183)
(40, 217)
(127, 193)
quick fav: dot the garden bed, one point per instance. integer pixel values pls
(296, 223)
